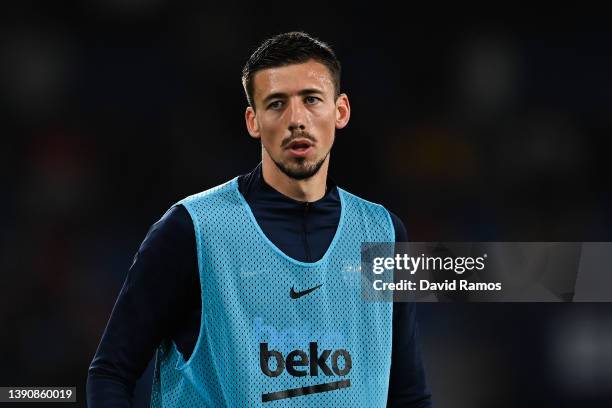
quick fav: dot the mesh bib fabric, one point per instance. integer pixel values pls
(258, 346)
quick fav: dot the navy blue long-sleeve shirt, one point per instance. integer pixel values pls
(161, 295)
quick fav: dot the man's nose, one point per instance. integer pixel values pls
(296, 116)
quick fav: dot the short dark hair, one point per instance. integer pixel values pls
(291, 48)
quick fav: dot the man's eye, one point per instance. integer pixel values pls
(311, 100)
(275, 105)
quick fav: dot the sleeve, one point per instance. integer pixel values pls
(407, 384)
(159, 287)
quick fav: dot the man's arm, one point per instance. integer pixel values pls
(407, 385)
(159, 291)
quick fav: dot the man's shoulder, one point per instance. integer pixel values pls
(398, 226)
(344, 194)
(209, 194)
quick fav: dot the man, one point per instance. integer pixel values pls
(247, 291)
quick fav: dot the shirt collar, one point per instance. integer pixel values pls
(255, 187)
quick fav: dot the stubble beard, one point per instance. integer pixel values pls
(299, 168)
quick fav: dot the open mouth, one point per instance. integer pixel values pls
(300, 145)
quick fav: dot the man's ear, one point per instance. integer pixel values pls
(343, 111)
(251, 122)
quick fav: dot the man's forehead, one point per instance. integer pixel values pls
(311, 74)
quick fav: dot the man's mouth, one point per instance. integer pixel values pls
(300, 144)
(300, 147)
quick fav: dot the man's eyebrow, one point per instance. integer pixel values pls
(279, 95)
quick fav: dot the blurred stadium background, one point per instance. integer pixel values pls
(477, 129)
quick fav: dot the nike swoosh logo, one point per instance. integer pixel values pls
(296, 295)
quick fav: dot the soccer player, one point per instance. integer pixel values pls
(249, 293)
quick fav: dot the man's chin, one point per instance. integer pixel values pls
(300, 169)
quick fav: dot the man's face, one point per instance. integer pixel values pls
(296, 116)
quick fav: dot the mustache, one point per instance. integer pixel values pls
(297, 135)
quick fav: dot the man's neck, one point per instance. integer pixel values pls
(310, 190)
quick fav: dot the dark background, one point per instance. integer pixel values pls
(467, 128)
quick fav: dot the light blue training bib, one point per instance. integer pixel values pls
(274, 331)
